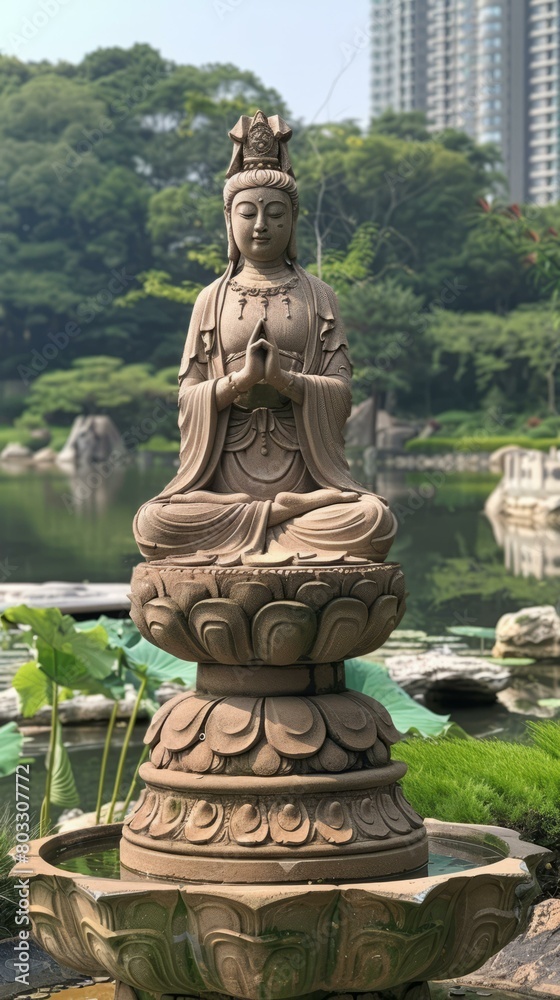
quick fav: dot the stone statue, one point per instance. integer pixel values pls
(264, 563)
(264, 396)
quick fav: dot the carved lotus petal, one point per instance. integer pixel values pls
(289, 823)
(187, 594)
(398, 585)
(381, 622)
(348, 722)
(144, 813)
(155, 727)
(332, 757)
(282, 632)
(349, 581)
(365, 591)
(378, 755)
(294, 726)
(264, 760)
(385, 727)
(160, 756)
(168, 629)
(248, 824)
(198, 758)
(333, 822)
(223, 629)
(146, 588)
(369, 820)
(169, 819)
(204, 821)
(183, 725)
(392, 815)
(341, 625)
(414, 819)
(251, 595)
(234, 725)
(314, 593)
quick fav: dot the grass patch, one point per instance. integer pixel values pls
(489, 781)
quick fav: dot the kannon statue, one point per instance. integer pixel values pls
(264, 396)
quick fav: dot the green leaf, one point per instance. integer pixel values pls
(513, 661)
(146, 660)
(11, 742)
(63, 788)
(34, 688)
(472, 631)
(409, 717)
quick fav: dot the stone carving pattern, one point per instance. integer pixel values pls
(277, 617)
(250, 943)
(270, 736)
(260, 821)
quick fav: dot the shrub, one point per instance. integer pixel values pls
(437, 445)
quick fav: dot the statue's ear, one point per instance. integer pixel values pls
(233, 249)
(292, 245)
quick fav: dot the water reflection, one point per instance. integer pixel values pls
(74, 526)
(528, 552)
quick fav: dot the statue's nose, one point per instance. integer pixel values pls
(260, 227)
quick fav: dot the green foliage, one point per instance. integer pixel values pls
(11, 743)
(408, 715)
(436, 445)
(127, 393)
(491, 782)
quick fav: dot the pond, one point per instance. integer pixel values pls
(61, 527)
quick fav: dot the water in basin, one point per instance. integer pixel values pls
(447, 857)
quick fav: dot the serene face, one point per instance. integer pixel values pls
(262, 223)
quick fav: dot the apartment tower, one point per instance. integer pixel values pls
(488, 67)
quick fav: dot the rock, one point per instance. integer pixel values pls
(92, 439)
(438, 675)
(76, 819)
(14, 452)
(533, 632)
(82, 708)
(45, 456)
(531, 962)
(392, 433)
(70, 598)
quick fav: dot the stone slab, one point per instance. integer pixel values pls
(71, 598)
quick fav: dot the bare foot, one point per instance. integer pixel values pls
(293, 504)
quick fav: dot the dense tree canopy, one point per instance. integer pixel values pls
(111, 175)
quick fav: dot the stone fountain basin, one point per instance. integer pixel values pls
(281, 941)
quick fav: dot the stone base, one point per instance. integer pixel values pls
(409, 991)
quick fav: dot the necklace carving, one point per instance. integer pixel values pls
(265, 292)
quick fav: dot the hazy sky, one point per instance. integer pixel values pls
(315, 52)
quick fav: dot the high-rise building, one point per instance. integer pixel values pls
(488, 67)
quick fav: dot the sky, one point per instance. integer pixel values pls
(314, 52)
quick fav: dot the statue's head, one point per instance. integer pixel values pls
(260, 195)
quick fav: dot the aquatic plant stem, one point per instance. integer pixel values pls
(130, 792)
(104, 759)
(124, 750)
(45, 815)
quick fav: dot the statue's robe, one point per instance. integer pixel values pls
(193, 520)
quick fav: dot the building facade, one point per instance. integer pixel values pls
(488, 67)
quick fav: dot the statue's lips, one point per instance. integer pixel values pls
(261, 239)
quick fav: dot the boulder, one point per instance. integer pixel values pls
(392, 432)
(92, 439)
(530, 963)
(533, 632)
(441, 675)
(14, 452)
(45, 456)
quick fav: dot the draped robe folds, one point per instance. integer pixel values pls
(192, 521)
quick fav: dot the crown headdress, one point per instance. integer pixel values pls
(260, 142)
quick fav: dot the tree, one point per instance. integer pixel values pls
(385, 324)
(93, 385)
